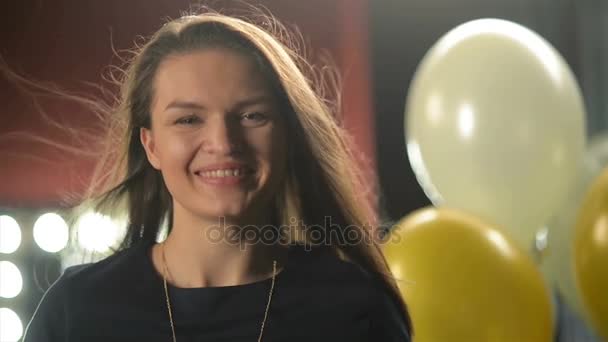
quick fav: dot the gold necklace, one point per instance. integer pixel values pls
(166, 271)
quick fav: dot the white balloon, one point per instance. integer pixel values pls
(495, 125)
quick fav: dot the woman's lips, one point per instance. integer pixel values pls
(224, 176)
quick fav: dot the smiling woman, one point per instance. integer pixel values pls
(223, 135)
(216, 117)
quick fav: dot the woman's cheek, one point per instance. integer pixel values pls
(180, 148)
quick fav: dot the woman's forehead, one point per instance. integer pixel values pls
(212, 75)
(215, 66)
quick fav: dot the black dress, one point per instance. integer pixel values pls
(317, 297)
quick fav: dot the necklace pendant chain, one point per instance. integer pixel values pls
(166, 271)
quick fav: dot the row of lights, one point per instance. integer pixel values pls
(95, 233)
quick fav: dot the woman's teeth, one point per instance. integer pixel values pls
(223, 173)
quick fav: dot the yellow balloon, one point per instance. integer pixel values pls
(591, 254)
(556, 240)
(464, 281)
(495, 125)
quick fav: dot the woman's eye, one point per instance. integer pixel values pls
(254, 118)
(188, 120)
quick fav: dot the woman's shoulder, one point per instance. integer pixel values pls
(122, 264)
(77, 287)
(89, 280)
(351, 290)
(320, 270)
(325, 261)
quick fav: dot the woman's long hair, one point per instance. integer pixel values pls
(323, 175)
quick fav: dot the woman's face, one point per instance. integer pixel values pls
(217, 134)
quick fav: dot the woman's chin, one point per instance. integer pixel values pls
(226, 215)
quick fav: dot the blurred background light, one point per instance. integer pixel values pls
(11, 281)
(10, 234)
(11, 327)
(97, 232)
(51, 232)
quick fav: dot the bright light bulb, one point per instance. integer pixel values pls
(10, 234)
(11, 281)
(11, 328)
(97, 232)
(51, 232)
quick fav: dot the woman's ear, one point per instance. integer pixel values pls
(147, 141)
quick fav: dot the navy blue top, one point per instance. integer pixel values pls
(317, 297)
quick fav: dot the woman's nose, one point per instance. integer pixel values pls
(222, 136)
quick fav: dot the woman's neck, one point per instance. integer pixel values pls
(201, 253)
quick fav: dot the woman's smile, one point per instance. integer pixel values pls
(225, 174)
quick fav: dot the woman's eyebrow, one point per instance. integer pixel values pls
(183, 105)
(257, 99)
